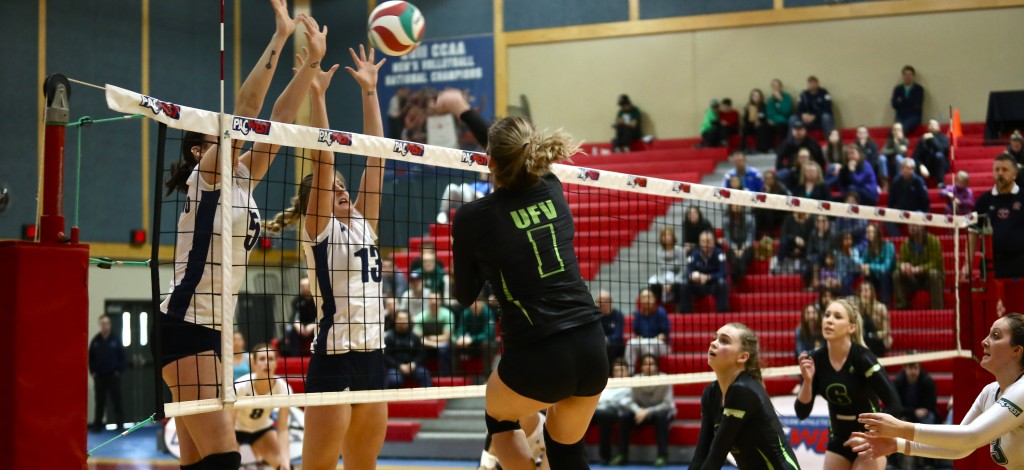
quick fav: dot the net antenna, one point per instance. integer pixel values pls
(605, 183)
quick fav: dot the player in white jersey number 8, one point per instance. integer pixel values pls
(995, 419)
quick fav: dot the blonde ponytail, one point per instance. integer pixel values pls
(521, 155)
(292, 214)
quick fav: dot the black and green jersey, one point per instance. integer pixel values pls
(746, 426)
(861, 385)
(522, 243)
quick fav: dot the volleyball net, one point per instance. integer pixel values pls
(668, 261)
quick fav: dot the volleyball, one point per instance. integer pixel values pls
(395, 28)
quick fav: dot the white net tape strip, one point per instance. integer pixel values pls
(255, 130)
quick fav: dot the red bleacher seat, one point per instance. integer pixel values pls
(424, 409)
(402, 431)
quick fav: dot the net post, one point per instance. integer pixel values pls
(156, 345)
(57, 90)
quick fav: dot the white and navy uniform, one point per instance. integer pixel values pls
(345, 264)
(252, 423)
(994, 419)
(196, 290)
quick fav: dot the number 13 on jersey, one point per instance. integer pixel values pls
(368, 255)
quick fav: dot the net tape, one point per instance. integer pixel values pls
(298, 136)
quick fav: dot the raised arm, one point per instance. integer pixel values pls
(320, 207)
(253, 91)
(371, 185)
(286, 107)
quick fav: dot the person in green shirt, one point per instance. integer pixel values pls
(475, 334)
(434, 325)
(711, 127)
(920, 267)
(778, 110)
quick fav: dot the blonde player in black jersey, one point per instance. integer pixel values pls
(520, 239)
(191, 321)
(339, 240)
(850, 378)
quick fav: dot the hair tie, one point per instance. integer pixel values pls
(525, 144)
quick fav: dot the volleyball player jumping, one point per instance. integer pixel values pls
(850, 378)
(191, 322)
(520, 239)
(737, 415)
(996, 418)
(339, 239)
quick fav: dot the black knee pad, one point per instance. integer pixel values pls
(494, 426)
(225, 461)
(565, 456)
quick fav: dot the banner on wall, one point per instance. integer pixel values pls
(808, 437)
(409, 84)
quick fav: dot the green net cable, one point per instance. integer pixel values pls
(87, 121)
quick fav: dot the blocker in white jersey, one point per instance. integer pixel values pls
(252, 420)
(346, 266)
(196, 290)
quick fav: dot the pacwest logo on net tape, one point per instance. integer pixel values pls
(474, 158)
(634, 181)
(172, 110)
(246, 125)
(404, 148)
(586, 174)
(681, 187)
(330, 137)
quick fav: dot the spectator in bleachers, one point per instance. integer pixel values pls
(475, 333)
(828, 274)
(705, 275)
(815, 108)
(791, 176)
(241, 356)
(393, 283)
(750, 178)
(833, 150)
(812, 183)
(711, 128)
(896, 147)
(694, 225)
(960, 194)
(932, 153)
(919, 395)
(796, 230)
(729, 118)
(107, 360)
(808, 332)
(908, 100)
(652, 405)
(666, 280)
(1016, 149)
(869, 149)
(848, 263)
(755, 123)
(614, 324)
(867, 299)
(879, 258)
(825, 297)
(390, 309)
(414, 299)
(798, 139)
(819, 244)
(853, 225)
(403, 355)
(768, 221)
(298, 334)
(434, 325)
(738, 230)
(920, 267)
(778, 110)
(627, 125)
(734, 182)
(432, 270)
(651, 329)
(908, 192)
(858, 176)
(609, 410)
